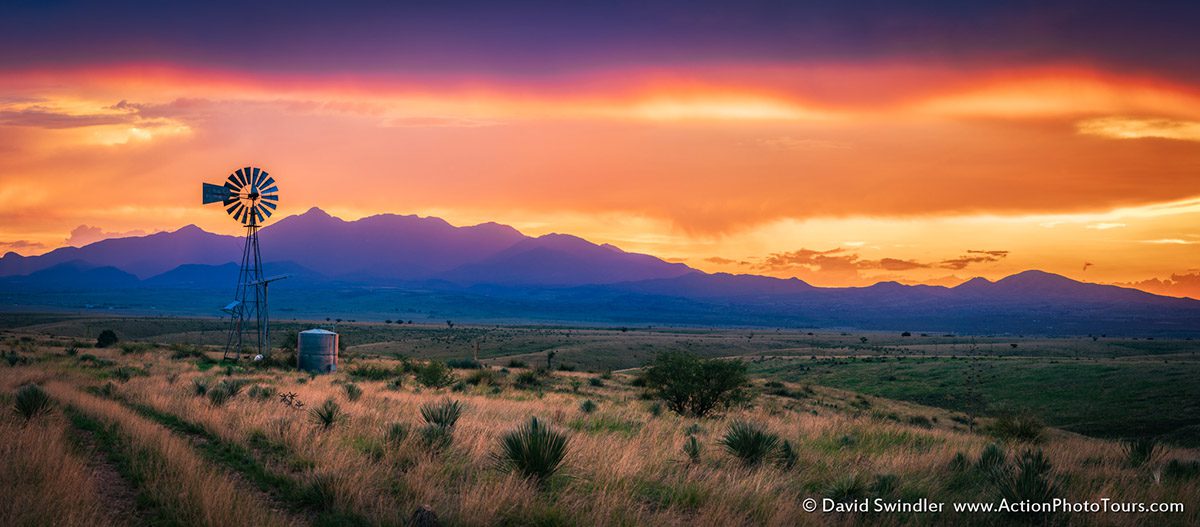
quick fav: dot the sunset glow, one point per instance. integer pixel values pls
(835, 168)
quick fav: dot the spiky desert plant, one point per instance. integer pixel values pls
(749, 442)
(787, 455)
(534, 450)
(31, 401)
(436, 438)
(444, 413)
(991, 458)
(200, 386)
(327, 415)
(691, 447)
(397, 433)
(1029, 480)
(219, 396)
(353, 392)
(1140, 451)
(588, 406)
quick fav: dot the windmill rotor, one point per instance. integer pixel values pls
(249, 195)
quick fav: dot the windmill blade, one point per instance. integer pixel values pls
(268, 204)
(246, 174)
(241, 179)
(271, 190)
(267, 181)
(231, 208)
(272, 197)
(233, 183)
(263, 212)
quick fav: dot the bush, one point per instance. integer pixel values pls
(327, 415)
(1030, 480)
(691, 447)
(396, 433)
(587, 406)
(527, 379)
(596, 382)
(436, 438)
(750, 443)
(655, 409)
(371, 373)
(31, 401)
(434, 374)
(444, 413)
(106, 338)
(231, 386)
(991, 458)
(261, 392)
(200, 386)
(1020, 427)
(219, 395)
(395, 384)
(514, 363)
(534, 450)
(482, 376)
(464, 364)
(353, 392)
(693, 386)
(1140, 451)
(848, 487)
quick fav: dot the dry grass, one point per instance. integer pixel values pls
(625, 466)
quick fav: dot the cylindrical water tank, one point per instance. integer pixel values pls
(317, 351)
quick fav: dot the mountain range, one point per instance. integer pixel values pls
(424, 266)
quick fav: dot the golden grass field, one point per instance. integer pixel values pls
(129, 442)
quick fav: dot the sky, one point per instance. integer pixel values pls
(844, 143)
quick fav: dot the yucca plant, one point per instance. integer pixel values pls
(444, 413)
(691, 447)
(353, 392)
(200, 386)
(1029, 480)
(31, 401)
(534, 450)
(218, 396)
(588, 406)
(436, 438)
(991, 458)
(1140, 451)
(396, 433)
(749, 442)
(327, 414)
(231, 387)
(787, 455)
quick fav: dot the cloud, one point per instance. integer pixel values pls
(1105, 226)
(85, 234)
(17, 245)
(44, 117)
(1187, 284)
(438, 122)
(792, 143)
(1171, 241)
(973, 257)
(833, 260)
(1132, 128)
(893, 264)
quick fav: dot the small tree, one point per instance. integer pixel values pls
(690, 385)
(107, 338)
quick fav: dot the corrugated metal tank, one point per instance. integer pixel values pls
(317, 351)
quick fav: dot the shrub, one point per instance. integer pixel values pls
(787, 455)
(72, 349)
(231, 386)
(327, 415)
(436, 438)
(514, 363)
(1140, 451)
(464, 364)
(534, 450)
(959, 462)
(395, 384)
(200, 386)
(261, 392)
(444, 413)
(750, 443)
(587, 406)
(219, 395)
(527, 379)
(991, 458)
(655, 409)
(596, 382)
(434, 374)
(482, 376)
(31, 401)
(353, 392)
(691, 447)
(371, 373)
(693, 386)
(396, 433)
(1020, 427)
(106, 338)
(848, 487)
(1030, 480)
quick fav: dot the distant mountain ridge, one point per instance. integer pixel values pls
(501, 273)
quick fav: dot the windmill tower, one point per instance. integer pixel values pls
(249, 196)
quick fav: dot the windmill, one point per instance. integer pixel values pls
(250, 196)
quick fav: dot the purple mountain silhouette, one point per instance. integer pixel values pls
(143, 256)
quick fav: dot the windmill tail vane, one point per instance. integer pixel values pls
(250, 196)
